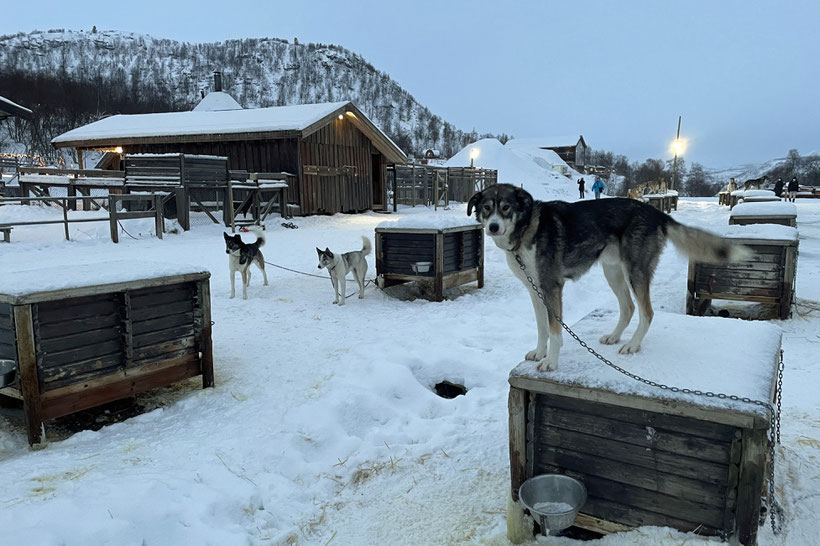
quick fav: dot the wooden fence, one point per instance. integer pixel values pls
(416, 184)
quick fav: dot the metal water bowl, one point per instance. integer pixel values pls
(555, 499)
(421, 267)
(8, 369)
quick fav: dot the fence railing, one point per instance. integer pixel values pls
(427, 185)
(152, 202)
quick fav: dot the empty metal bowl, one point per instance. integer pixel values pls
(554, 498)
(421, 267)
(8, 369)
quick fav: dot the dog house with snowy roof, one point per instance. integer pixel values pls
(448, 251)
(86, 335)
(648, 455)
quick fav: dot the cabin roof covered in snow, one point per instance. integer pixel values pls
(681, 351)
(296, 121)
(9, 108)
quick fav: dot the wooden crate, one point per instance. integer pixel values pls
(80, 344)
(457, 254)
(767, 277)
(648, 456)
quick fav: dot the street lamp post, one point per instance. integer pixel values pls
(473, 155)
(678, 147)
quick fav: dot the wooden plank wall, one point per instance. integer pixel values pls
(8, 347)
(272, 155)
(639, 468)
(761, 278)
(461, 250)
(338, 144)
(399, 250)
(78, 339)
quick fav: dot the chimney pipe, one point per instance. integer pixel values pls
(217, 81)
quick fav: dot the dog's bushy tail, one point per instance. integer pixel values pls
(704, 246)
(260, 235)
(366, 248)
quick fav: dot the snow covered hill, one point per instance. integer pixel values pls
(257, 72)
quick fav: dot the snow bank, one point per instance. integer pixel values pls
(771, 208)
(524, 166)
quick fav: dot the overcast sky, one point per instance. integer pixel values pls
(745, 76)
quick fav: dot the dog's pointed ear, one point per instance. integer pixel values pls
(227, 237)
(328, 252)
(524, 199)
(473, 202)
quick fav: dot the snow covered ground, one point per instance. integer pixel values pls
(323, 427)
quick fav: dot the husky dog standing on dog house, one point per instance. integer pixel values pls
(556, 241)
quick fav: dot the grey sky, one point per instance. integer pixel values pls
(744, 75)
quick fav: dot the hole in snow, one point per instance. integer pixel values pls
(445, 389)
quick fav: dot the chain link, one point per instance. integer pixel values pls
(774, 416)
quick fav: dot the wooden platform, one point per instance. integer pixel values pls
(456, 252)
(86, 335)
(649, 456)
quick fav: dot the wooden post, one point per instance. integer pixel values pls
(159, 222)
(480, 257)
(790, 256)
(439, 278)
(112, 215)
(750, 486)
(206, 345)
(27, 367)
(65, 217)
(80, 158)
(183, 207)
(228, 214)
(517, 403)
(72, 191)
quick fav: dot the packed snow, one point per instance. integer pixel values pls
(323, 427)
(773, 208)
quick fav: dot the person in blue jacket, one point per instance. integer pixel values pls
(598, 188)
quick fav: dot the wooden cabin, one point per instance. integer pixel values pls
(572, 151)
(338, 156)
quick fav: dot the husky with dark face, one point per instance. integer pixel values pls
(339, 265)
(240, 257)
(557, 241)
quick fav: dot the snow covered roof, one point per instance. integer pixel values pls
(9, 108)
(217, 101)
(297, 121)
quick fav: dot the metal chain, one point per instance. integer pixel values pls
(774, 416)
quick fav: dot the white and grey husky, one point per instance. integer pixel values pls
(240, 257)
(340, 265)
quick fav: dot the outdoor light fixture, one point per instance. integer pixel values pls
(473, 155)
(341, 116)
(118, 149)
(678, 146)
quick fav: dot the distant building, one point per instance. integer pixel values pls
(571, 149)
(338, 157)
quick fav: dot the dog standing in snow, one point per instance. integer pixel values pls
(240, 257)
(339, 265)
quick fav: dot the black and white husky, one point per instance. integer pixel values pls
(557, 241)
(240, 257)
(340, 265)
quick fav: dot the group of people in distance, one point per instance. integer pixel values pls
(791, 188)
(597, 187)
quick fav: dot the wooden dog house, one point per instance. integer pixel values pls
(86, 335)
(649, 456)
